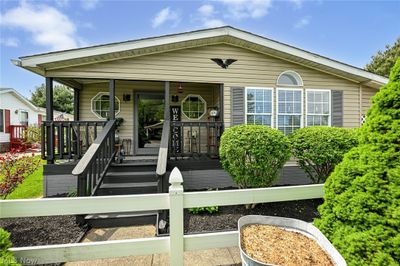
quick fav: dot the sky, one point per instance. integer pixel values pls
(348, 31)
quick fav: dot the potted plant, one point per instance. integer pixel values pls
(270, 240)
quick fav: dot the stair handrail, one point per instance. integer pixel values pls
(163, 152)
(101, 153)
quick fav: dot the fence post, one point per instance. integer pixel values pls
(176, 218)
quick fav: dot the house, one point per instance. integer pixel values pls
(195, 84)
(18, 112)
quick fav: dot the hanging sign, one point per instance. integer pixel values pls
(176, 132)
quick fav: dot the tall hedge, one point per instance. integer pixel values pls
(361, 211)
(253, 154)
(319, 149)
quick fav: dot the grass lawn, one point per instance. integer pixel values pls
(31, 187)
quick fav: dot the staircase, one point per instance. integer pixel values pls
(137, 176)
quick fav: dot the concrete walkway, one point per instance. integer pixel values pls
(222, 256)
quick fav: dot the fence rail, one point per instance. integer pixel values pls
(176, 200)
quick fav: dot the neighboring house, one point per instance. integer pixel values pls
(186, 78)
(16, 110)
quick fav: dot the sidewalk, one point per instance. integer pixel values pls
(221, 256)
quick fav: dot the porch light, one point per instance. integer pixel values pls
(180, 88)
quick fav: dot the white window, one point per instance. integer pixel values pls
(289, 78)
(101, 105)
(259, 106)
(290, 109)
(23, 117)
(194, 106)
(318, 107)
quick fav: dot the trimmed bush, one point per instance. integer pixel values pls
(6, 256)
(253, 154)
(319, 149)
(361, 211)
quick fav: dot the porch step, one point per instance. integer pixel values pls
(129, 177)
(121, 219)
(136, 166)
(127, 188)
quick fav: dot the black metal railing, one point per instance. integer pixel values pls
(189, 139)
(68, 139)
(94, 164)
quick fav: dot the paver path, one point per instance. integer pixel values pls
(221, 256)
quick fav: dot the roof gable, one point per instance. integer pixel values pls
(228, 35)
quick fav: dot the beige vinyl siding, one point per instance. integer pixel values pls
(366, 95)
(194, 65)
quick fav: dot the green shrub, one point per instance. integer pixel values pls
(361, 211)
(319, 149)
(210, 210)
(6, 256)
(253, 154)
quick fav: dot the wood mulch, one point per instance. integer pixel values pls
(273, 245)
(227, 216)
(35, 231)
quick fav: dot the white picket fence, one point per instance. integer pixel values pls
(175, 201)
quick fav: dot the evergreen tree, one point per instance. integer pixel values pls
(361, 211)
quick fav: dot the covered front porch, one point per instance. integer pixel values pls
(169, 120)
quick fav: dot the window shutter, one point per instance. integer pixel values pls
(39, 119)
(7, 121)
(337, 108)
(237, 103)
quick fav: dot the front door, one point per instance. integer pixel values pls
(149, 115)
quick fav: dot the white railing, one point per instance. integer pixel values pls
(176, 201)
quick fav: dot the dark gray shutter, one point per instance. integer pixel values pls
(337, 108)
(237, 97)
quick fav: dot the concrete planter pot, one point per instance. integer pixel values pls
(290, 224)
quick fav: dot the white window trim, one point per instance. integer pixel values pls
(290, 86)
(97, 95)
(201, 98)
(330, 105)
(272, 103)
(277, 105)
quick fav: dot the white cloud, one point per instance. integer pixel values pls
(166, 14)
(303, 22)
(207, 16)
(48, 26)
(206, 10)
(89, 4)
(10, 42)
(213, 23)
(240, 9)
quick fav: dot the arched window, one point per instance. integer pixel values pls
(289, 78)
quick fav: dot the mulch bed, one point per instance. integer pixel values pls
(227, 216)
(35, 231)
(277, 246)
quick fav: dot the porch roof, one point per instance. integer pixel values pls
(228, 35)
